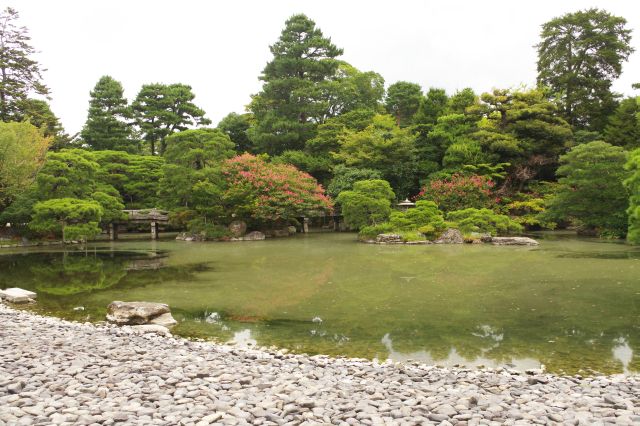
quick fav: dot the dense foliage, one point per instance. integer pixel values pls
(20, 75)
(106, 127)
(633, 187)
(74, 219)
(161, 109)
(498, 162)
(623, 128)
(591, 194)
(270, 192)
(459, 191)
(482, 221)
(424, 218)
(22, 152)
(368, 203)
(295, 96)
(135, 177)
(579, 56)
(345, 177)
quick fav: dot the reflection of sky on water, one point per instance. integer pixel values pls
(486, 331)
(492, 337)
(454, 358)
(243, 338)
(440, 305)
(623, 353)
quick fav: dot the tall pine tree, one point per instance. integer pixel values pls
(294, 97)
(107, 126)
(624, 125)
(20, 76)
(403, 100)
(162, 109)
(579, 56)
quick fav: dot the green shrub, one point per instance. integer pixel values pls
(210, 230)
(633, 186)
(459, 191)
(369, 203)
(371, 231)
(431, 231)
(408, 236)
(483, 221)
(591, 193)
(424, 221)
(424, 217)
(75, 219)
(345, 177)
(529, 212)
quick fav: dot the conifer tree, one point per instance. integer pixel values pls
(579, 56)
(20, 75)
(293, 98)
(624, 125)
(162, 109)
(107, 127)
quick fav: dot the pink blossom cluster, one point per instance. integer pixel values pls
(273, 191)
(460, 192)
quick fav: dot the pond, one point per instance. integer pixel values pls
(570, 304)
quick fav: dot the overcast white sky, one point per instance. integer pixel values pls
(220, 48)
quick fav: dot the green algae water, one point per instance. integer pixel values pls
(570, 304)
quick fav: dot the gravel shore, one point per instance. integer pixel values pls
(59, 372)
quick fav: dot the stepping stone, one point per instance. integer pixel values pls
(135, 313)
(165, 320)
(17, 295)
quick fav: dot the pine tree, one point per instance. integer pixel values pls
(403, 100)
(19, 74)
(579, 56)
(293, 99)
(161, 110)
(107, 127)
(624, 125)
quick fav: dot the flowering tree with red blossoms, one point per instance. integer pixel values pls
(460, 192)
(269, 192)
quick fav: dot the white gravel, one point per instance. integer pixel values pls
(59, 372)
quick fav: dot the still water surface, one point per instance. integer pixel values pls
(570, 304)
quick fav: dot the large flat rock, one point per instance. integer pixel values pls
(513, 241)
(165, 320)
(135, 313)
(17, 295)
(254, 236)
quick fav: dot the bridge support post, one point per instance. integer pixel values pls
(113, 231)
(154, 230)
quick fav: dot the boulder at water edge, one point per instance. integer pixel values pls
(254, 236)
(388, 239)
(450, 236)
(165, 320)
(188, 236)
(237, 228)
(513, 241)
(17, 295)
(137, 313)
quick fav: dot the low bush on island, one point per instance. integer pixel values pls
(367, 208)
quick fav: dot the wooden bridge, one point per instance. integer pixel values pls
(153, 217)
